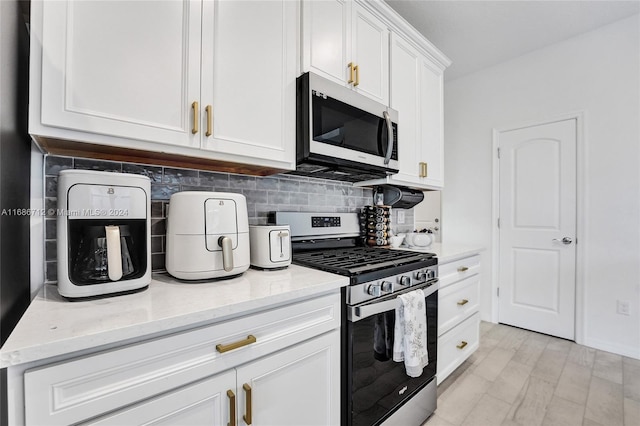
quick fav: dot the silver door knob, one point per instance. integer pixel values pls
(565, 240)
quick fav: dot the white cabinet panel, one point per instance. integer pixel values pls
(405, 98)
(204, 403)
(348, 45)
(370, 54)
(297, 386)
(107, 68)
(452, 272)
(457, 302)
(210, 79)
(249, 71)
(456, 345)
(416, 92)
(432, 124)
(458, 317)
(326, 35)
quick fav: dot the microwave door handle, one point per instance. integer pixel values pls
(387, 118)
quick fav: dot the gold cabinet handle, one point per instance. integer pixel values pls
(461, 345)
(247, 416)
(423, 169)
(209, 120)
(350, 65)
(463, 269)
(357, 70)
(235, 345)
(196, 112)
(232, 408)
(463, 302)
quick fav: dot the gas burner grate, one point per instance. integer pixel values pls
(353, 261)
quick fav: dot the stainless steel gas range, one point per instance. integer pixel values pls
(375, 389)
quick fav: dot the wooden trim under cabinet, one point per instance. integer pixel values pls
(70, 148)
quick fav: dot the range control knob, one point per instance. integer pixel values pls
(405, 280)
(421, 275)
(431, 273)
(387, 286)
(374, 290)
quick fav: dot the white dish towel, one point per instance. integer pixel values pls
(410, 333)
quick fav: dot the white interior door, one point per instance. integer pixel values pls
(538, 228)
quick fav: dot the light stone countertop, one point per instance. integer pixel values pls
(53, 326)
(447, 252)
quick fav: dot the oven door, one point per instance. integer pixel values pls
(375, 385)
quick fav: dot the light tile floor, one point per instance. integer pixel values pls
(519, 377)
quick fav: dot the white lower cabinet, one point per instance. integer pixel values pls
(458, 316)
(296, 386)
(280, 366)
(204, 403)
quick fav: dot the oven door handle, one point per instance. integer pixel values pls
(357, 313)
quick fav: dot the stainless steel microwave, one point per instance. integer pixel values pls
(341, 134)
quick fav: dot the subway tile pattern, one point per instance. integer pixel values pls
(264, 194)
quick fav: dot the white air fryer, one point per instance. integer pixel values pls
(207, 235)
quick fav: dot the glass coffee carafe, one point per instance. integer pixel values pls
(104, 251)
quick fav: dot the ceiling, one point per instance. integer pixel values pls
(478, 34)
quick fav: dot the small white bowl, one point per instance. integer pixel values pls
(396, 241)
(422, 239)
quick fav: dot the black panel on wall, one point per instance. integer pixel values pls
(15, 151)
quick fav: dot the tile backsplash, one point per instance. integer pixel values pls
(264, 194)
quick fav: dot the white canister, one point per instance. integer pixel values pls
(270, 246)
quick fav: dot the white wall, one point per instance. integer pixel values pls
(597, 73)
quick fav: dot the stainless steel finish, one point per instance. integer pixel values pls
(404, 280)
(358, 293)
(374, 289)
(387, 286)
(227, 252)
(301, 229)
(417, 409)
(386, 117)
(565, 240)
(357, 313)
(325, 87)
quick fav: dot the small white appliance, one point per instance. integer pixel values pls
(207, 235)
(270, 246)
(104, 233)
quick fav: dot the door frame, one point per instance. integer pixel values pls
(581, 236)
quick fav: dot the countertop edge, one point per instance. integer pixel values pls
(15, 355)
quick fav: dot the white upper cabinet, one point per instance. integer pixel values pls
(250, 65)
(344, 42)
(214, 80)
(106, 68)
(416, 93)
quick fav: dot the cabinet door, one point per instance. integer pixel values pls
(432, 140)
(406, 64)
(326, 39)
(250, 63)
(297, 386)
(125, 69)
(204, 403)
(370, 53)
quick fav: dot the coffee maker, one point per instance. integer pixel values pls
(104, 233)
